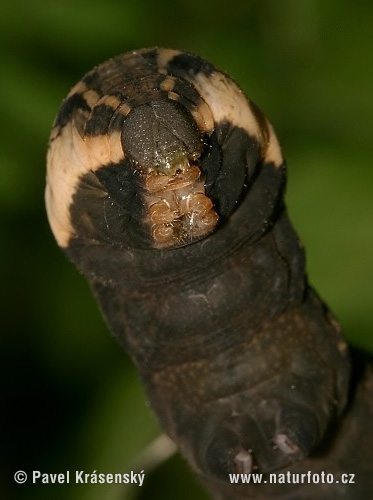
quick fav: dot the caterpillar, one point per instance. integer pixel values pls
(165, 188)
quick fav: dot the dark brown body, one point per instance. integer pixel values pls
(341, 468)
(243, 364)
(233, 349)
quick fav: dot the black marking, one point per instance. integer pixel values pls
(117, 121)
(151, 58)
(93, 79)
(185, 64)
(186, 91)
(99, 120)
(108, 207)
(69, 107)
(239, 160)
(127, 75)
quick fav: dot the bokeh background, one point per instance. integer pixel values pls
(71, 398)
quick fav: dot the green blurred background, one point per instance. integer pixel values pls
(71, 397)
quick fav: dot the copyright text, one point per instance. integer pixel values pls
(81, 477)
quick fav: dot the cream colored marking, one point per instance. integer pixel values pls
(115, 146)
(112, 101)
(79, 88)
(202, 109)
(91, 97)
(203, 117)
(164, 57)
(124, 109)
(200, 113)
(200, 122)
(168, 84)
(70, 157)
(226, 101)
(272, 152)
(173, 96)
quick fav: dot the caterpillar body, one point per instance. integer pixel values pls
(165, 187)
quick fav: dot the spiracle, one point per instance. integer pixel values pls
(165, 188)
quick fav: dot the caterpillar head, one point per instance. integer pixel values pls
(155, 149)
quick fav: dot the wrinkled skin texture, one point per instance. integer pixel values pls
(347, 451)
(243, 364)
